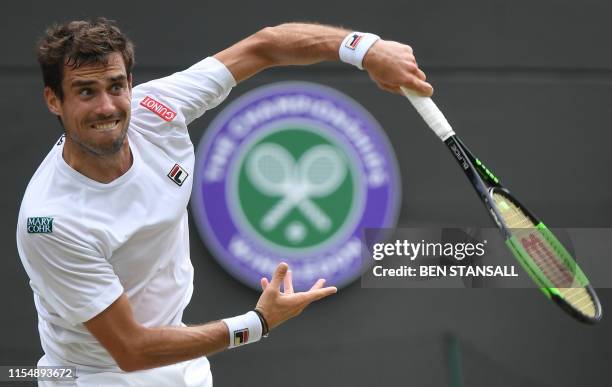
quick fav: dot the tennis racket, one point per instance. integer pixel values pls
(538, 251)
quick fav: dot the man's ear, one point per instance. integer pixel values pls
(54, 104)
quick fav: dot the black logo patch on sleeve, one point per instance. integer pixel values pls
(40, 225)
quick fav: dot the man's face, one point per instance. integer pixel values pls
(95, 110)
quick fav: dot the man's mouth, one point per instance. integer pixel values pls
(106, 125)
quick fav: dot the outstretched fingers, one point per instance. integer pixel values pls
(315, 294)
(288, 283)
(317, 291)
(319, 284)
(279, 275)
(277, 307)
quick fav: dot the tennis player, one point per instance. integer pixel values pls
(102, 230)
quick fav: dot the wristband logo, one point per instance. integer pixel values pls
(293, 172)
(354, 41)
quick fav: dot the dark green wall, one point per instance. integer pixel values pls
(528, 85)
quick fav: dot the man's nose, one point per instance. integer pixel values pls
(105, 105)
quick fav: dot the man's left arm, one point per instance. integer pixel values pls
(390, 64)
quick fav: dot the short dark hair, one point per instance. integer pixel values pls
(80, 42)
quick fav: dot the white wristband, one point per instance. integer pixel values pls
(355, 46)
(244, 329)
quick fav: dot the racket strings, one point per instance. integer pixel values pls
(544, 255)
(580, 299)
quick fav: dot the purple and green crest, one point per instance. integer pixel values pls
(293, 172)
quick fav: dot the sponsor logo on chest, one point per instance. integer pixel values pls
(40, 225)
(178, 175)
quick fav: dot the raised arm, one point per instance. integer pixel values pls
(390, 64)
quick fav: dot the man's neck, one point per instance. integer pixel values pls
(103, 169)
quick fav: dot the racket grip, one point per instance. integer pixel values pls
(430, 113)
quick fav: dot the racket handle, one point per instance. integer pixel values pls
(430, 113)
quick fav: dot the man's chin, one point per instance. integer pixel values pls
(104, 147)
(111, 149)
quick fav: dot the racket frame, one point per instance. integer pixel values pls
(486, 183)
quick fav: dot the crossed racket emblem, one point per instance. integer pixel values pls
(316, 174)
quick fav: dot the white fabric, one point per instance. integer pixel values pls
(248, 322)
(129, 236)
(192, 373)
(430, 113)
(355, 46)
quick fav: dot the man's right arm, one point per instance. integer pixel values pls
(136, 347)
(389, 64)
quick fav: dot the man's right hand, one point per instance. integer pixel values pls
(393, 65)
(278, 307)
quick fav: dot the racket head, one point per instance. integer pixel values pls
(536, 248)
(544, 258)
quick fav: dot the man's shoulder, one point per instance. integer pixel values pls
(39, 213)
(46, 196)
(52, 222)
(179, 98)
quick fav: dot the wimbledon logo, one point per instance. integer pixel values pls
(293, 172)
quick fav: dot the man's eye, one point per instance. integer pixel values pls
(117, 87)
(85, 92)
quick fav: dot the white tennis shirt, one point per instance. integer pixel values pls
(84, 243)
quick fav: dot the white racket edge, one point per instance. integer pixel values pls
(430, 113)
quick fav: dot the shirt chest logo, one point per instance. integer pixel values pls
(158, 108)
(178, 175)
(40, 225)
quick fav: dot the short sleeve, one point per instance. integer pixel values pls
(74, 279)
(183, 96)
